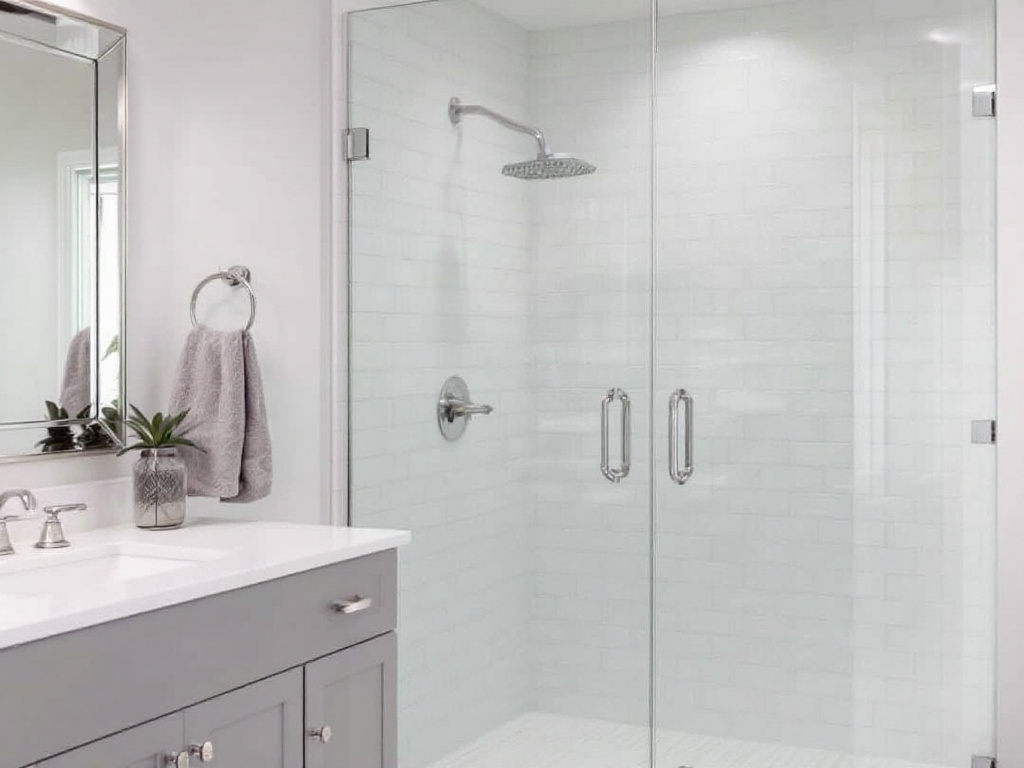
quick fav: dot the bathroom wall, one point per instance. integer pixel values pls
(441, 285)
(229, 162)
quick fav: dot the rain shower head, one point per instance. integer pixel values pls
(548, 165)
(553, 166)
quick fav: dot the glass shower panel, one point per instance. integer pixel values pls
(525, 595)
(825, 273)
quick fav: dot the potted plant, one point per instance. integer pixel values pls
(159, 477)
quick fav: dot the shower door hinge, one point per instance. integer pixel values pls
(983, 101)
(984, 432)
(983, 761)
(357, 144)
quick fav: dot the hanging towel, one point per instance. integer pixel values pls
(76, 387)
(219, 382)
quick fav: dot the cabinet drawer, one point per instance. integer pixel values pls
(70, 689)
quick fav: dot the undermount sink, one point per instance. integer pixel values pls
(95, 568)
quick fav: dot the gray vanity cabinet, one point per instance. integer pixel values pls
(353, 694)
(145, 746)
(258, 726)
(238, 680)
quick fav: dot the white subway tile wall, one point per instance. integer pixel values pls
(824, 287)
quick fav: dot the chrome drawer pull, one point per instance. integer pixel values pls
(354, 605)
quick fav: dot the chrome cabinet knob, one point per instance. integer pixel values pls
(203, 751)
(177, 760)
(322, 734)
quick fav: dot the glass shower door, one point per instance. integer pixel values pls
(525, 594)
(824, 291)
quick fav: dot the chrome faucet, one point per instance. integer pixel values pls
(28, 501)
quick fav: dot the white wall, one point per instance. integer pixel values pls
(229, 162)
(1011, 384)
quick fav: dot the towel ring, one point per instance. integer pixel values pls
(234, 277)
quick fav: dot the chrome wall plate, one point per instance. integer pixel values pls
(455, 409)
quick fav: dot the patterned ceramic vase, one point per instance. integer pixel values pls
(160, 485)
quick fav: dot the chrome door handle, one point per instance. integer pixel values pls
(353, 605)
(176, 760)
(680, 475)
(615, 475)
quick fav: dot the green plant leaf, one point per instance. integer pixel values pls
(162, 430)
(172, 424)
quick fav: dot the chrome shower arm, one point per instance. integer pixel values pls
(456, 109)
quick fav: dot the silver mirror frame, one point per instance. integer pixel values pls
(114, 45)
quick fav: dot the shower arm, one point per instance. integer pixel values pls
(456, 109)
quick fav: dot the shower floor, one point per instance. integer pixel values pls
(537, 740)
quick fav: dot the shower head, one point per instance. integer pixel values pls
(554, 166)
(548, 165)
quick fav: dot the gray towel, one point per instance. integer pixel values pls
(76, 387)
(219, 382)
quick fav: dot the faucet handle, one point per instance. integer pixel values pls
(52, 535)
(56, 509)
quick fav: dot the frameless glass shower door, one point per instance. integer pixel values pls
(825, 291)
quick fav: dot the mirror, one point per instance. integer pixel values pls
(62, 222)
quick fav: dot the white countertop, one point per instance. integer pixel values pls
(219, 555)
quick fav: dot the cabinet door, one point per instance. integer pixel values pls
(354, 694)
(147, 746)
(258, 726)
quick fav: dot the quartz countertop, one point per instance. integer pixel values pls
(113, 573)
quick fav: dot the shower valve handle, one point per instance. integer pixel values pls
(453, 408)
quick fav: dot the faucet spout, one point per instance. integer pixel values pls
(27, 498)
(28, 501)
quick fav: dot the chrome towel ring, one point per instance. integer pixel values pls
(235, 276)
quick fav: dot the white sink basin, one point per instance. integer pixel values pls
(59, 572)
